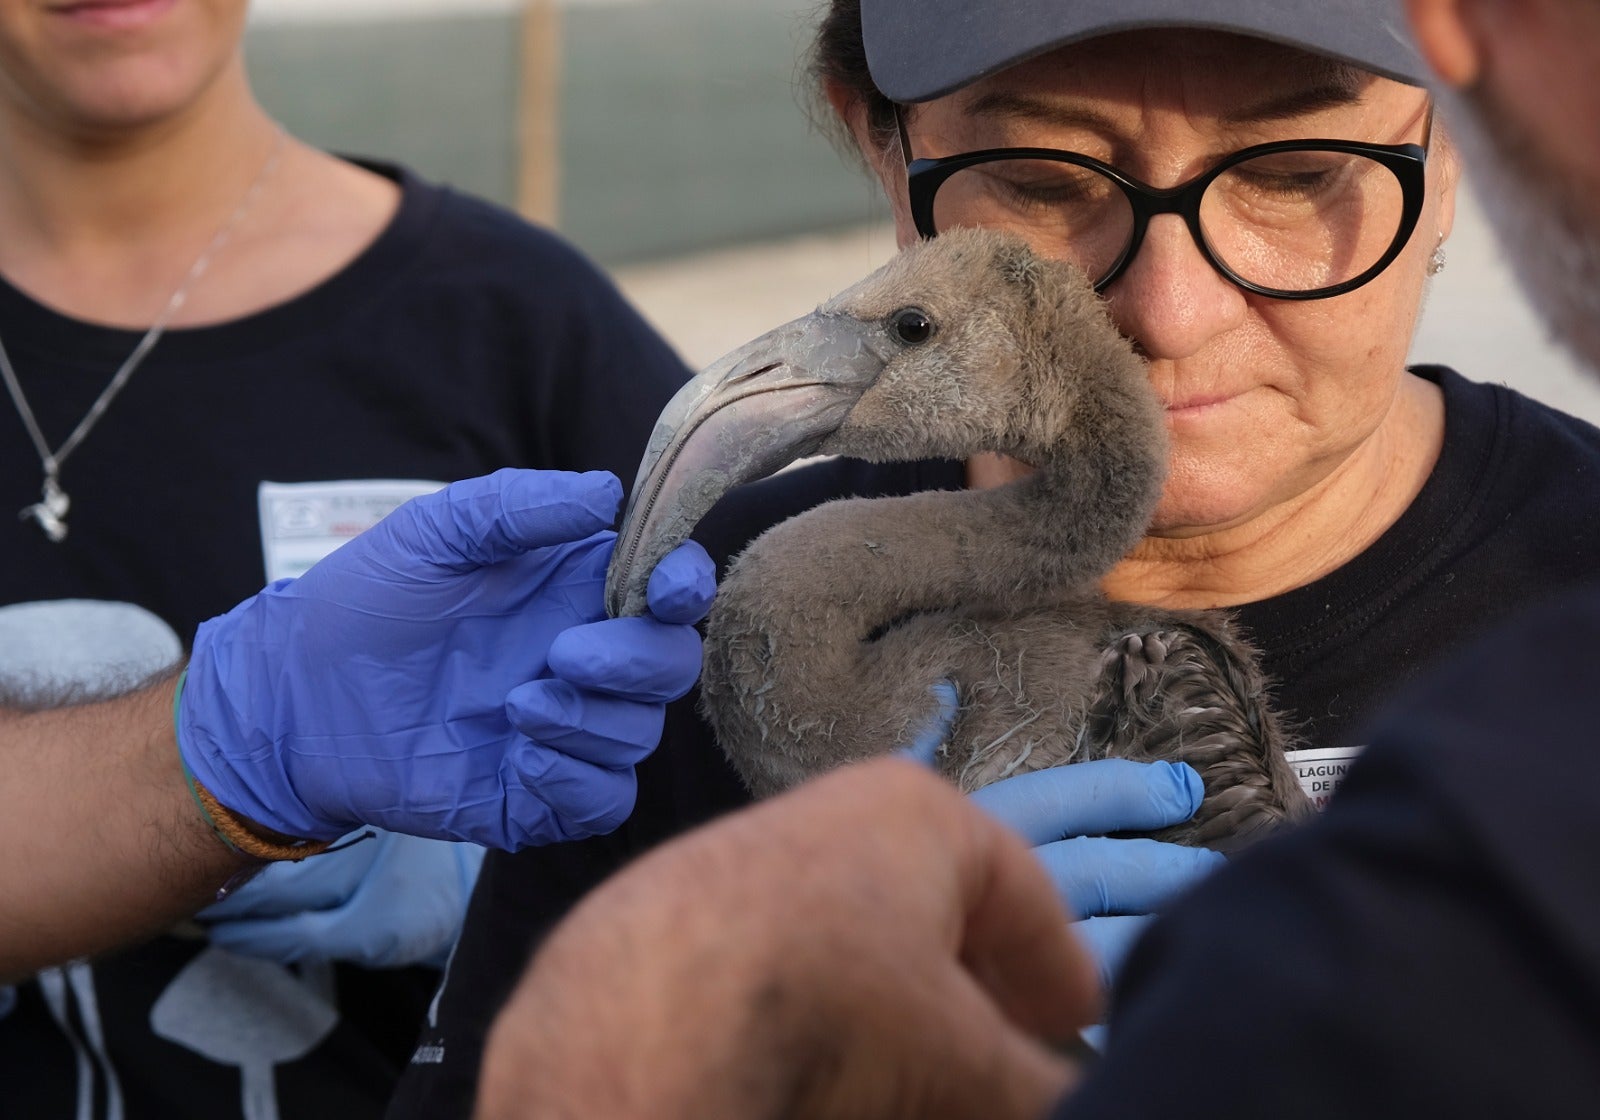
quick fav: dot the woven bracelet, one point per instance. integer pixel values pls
(230, 827)
(241, 838)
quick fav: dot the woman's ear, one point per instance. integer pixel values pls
(848, 108)
(885, 161)
(1449, 165)
(1447, 32)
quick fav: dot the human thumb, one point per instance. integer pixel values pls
(482, 521)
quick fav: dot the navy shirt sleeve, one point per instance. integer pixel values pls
(1429, 947)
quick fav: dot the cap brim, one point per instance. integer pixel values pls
(921, 49)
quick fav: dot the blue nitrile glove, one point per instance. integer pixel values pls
(1064, 812)
(447, 673)
(1112, 885)
(385, 902)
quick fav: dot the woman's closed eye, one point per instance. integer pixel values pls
(1297, 176)
(1285, 184)
(1026, 184)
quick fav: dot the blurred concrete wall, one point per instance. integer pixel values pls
(683, 126)
(681, 122)
(438, 93)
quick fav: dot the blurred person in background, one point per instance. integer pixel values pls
(1357, 517)
(225, 352)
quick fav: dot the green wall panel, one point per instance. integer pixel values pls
(437, 94)
(682, 124)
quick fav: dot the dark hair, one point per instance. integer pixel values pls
(838, 57)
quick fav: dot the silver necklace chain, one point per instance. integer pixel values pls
(51, 510)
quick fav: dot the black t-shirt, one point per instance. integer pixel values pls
(463, 339)
(460, 341)
(1429, 947)
(1511, 512)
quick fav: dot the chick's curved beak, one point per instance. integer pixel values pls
(748, 415)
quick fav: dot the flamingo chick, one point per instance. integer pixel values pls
(830, 629)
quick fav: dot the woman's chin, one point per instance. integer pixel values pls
(1215, 484)
(127, 97)
(1195, 512)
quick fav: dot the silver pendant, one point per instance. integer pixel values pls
(51, 511)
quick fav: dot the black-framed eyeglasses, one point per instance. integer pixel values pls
(1294, 219)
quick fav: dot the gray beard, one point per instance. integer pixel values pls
(1547, 222)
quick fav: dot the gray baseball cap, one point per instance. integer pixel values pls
(921, 49)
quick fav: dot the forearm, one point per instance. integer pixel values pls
(103, 843)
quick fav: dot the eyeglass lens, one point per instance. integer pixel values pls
(1290, 221)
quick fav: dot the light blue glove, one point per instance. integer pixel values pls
(1112, 886)
(448, 673)
(385, 902)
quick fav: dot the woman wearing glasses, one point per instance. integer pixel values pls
(1261, 197)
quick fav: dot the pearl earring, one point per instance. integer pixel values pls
(1436, 262)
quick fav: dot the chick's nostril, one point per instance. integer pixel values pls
(746, 375)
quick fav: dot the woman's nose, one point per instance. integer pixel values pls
(1170, 300)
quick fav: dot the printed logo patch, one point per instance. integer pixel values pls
(1321, 770)
(301, 522)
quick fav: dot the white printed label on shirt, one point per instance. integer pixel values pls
(301, 522)
(1321, 770)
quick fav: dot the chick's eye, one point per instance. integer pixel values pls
(911, 325)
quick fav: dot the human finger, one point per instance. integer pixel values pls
(683, 585)
(1016, 942)
(969, 1038)
(1109, 940)
(1094, 798)
(314, 935)
(554, 797)
(481, 521)
(925, 747)
(1096, 876)
(591, 726)
(634, 658)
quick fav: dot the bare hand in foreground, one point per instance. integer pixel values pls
(870, 945)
